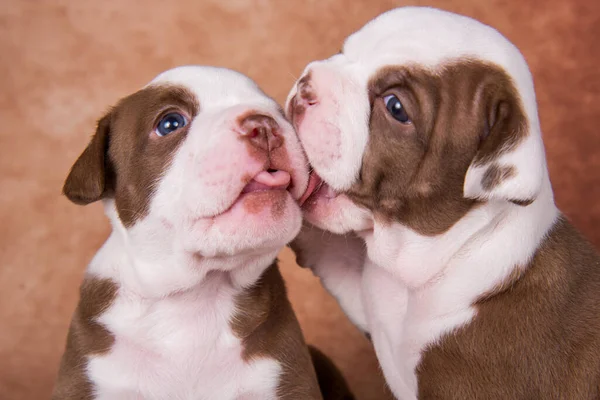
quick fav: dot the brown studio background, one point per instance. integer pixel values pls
(64, 62)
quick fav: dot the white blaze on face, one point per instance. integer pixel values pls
(230, 188)
(332, 128)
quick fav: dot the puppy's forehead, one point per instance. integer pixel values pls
(430, 38)
(215, 87)
(424, 35)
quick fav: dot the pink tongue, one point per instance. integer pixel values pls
(313, 182)
(268, 181)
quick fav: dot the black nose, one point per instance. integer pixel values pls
(262, 131)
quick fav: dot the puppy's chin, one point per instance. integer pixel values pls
(329, 210)
(336, 214)
(257, 223)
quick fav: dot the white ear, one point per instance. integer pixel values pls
(510, 164)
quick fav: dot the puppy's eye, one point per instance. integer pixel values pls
(170, 123)
(396, 109)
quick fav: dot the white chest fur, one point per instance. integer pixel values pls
(416, 289)
(402, 323)
(180, 347)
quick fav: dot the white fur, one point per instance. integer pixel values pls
(338, 261)
(180, 268)
(338, 214)
(416, 288)
(177, 347)
(339, 92)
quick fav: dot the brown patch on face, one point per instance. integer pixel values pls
(535, 336)
(414, 173)
(266, 324)
(495, 175)
(278, 207)
(305, 90)
(275, 199)
(305, 95)
(125, 159)
(297, 109)
(86, 337)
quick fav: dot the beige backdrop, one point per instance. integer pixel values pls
(62, 63)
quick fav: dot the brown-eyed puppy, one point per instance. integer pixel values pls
(426, 147)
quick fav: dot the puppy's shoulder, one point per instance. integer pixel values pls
(86, 337)
(267, 325)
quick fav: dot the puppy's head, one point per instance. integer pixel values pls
(200, 160)
(423, 114)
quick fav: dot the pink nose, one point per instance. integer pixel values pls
(262, 131)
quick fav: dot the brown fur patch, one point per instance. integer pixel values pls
(495, 175)
(86, 337)
(268, 327)
(275, 199)
(414, 173)
(305, 90)
(536, 336)
(124, 158)
(297, 107)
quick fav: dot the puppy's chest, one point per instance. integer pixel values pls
(178, 348)
(403, 324)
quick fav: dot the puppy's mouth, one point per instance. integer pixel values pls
(271, 179)
(317, 188)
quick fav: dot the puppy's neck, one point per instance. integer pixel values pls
(480, 250)
(155, 266)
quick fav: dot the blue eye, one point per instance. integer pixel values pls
(170, 123)
(396, 109)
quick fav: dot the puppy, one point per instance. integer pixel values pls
(199, 173)
(424, 138)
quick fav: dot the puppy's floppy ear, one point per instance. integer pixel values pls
(510, 163)
(87, 181)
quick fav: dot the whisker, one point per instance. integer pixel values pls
(292, 75)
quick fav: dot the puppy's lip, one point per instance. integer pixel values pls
(269, 180)
(316, 186)
(314, 182)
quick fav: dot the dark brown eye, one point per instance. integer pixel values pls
(396, 109)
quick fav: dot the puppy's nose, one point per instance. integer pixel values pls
(262, 131)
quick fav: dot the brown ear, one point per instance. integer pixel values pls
(86, 182)
(510, 163)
